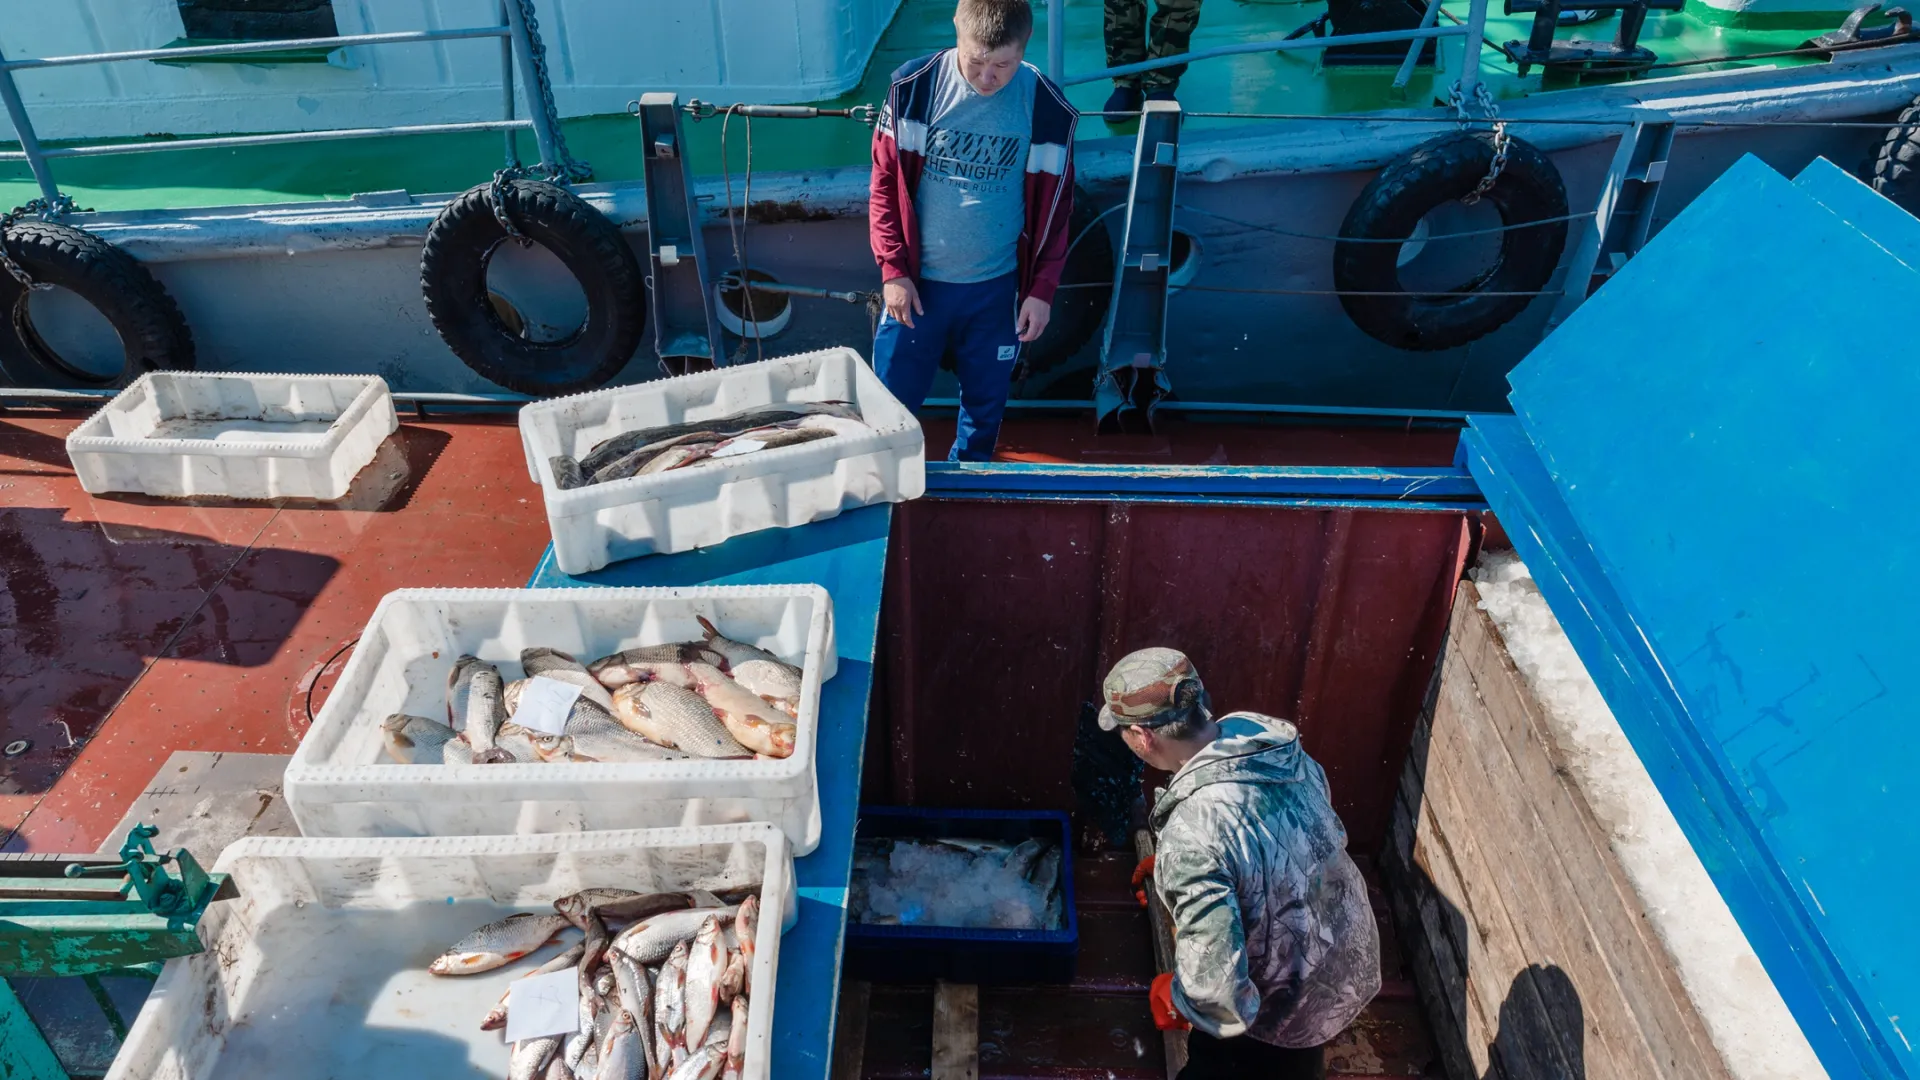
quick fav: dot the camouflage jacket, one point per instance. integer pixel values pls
(1273, 934)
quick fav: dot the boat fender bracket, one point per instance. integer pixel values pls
(1531, 200)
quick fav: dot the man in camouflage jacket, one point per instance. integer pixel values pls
(1275, 947)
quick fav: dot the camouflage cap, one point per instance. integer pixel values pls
(1151, 686)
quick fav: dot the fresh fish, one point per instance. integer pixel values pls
(554, 664)
(706, 963)
(486, 712)
(679, 456)
(778, 684)
(752, 722)
(593, 948)
(567, 473)
(651, 939)
(734, 652)
(635, 996)
(677, 718)
(574, 906)
(1024, 855)
(497, 943)
(530, 1057)
(750, 442)
(552, 748)
(720, 1029)
(625, 443)
(622, 1053)
(515, 743)
(598, 736)
(459, 682)
(670, 1009)
(976, 847)
(733, 980)
(736, 1042)
(589, 1067)
(575, 1045)
(703, 1064)
(457, 751)
(415, 740)
(642, 906)
(1045, 870)
(834, 425)
(746, 927)
(632, 464)
(649, 662)
(557, 1070)
(497, 1018)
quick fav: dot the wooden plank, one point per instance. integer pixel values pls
(850, 1030)
(1645, 973)
(1160, 920)
(956, 1031)
(1520, 857)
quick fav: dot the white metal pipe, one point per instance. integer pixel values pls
(30, 150)
(108, 149)
(1276, 45)
(1405, 74)
(523, 51)
(242, 48)
(1476, 32)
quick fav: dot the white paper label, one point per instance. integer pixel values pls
(544, 705)
(540, 1005)
(738, 447)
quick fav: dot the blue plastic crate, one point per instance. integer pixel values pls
(925, 953)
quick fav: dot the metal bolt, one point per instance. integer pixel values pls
(18, 747)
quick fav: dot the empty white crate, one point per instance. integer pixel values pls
(184, 434)
(318, 970)
(707, 503)
(340, 781)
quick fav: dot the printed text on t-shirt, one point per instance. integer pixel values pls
(971, 156)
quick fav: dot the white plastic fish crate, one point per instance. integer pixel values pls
(710, 502)
(241, 436)
(318, 969)
(340, 781)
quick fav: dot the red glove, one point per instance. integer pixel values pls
(1160, 1004)
(1140, 875)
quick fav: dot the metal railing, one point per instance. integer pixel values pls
(518, 44)
(1473, 30)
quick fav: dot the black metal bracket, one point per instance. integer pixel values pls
(1849, 35)
(1623, 53)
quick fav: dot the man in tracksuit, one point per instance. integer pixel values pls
(972, 191)
(1274, 946)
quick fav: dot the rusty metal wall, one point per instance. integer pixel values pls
(1000, 618)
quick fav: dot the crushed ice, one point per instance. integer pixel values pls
(958, 884)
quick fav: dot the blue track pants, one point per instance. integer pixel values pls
(974, 323)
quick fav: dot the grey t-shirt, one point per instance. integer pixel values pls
(972, 196)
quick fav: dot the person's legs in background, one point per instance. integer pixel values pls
(985, 348)
(907, 358)
(1126, 30)
(1245, 1058)
(1171, 35)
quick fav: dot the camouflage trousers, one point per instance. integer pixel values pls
(1130, 39)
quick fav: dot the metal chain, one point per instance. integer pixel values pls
(1501, 140)
(497, 199)
(49, 210)
(564, 169)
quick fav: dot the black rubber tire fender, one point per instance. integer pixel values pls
(453, 278)
(1895, 171)
(1441, 170)
(153, 334)
(1078, 313)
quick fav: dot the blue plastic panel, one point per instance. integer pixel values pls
(847, 555)
(1729, 424)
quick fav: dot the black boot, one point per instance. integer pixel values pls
(1124, 99)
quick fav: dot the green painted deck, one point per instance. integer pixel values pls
(1258, 82)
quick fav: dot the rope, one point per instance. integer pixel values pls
(1381, 240)
(737, 229)
(323, 670)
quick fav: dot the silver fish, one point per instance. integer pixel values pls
(567, 473)
(736, 1042)
(720, 1029)
(635, 996)
(552, 748)
(497, 1018)
(670, 1009)
(677, 457)
(746, 928)
(554, 664)
(703, 1064)
(777, 683)
(639, 664)
(530, 1057)
(575, 1045)
(626, 442)
(459, 682)
(514, 743)
(652, 939)
(733, 980)
(706, 963)
(834, 425)
(735, 652)
(645, 905)
(752, 442)
(486, 712)
(752, 722)
(457, 751)
(1023, 856)
(622, 1053)
(574, 906)
(631, 464)
(497, 943)
(594, 947)
(677, 718)
(557, 1070)
(598, 736)
(415, 740)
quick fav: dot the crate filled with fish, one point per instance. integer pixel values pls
(475, 711)
(627, 954)
(688, 462)
(977, 896)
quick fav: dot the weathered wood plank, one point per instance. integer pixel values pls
(1645, 974)
(1520, 859)
(956, 1031)
(850, 1030)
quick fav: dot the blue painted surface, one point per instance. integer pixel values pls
(1189, 482)
(1688, 498)
(1866, 210)
(846, 554)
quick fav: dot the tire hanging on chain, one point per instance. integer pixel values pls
(39, 255)
(453, 278)
(1078, 312)
(1895, 169)
(1448, 168)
